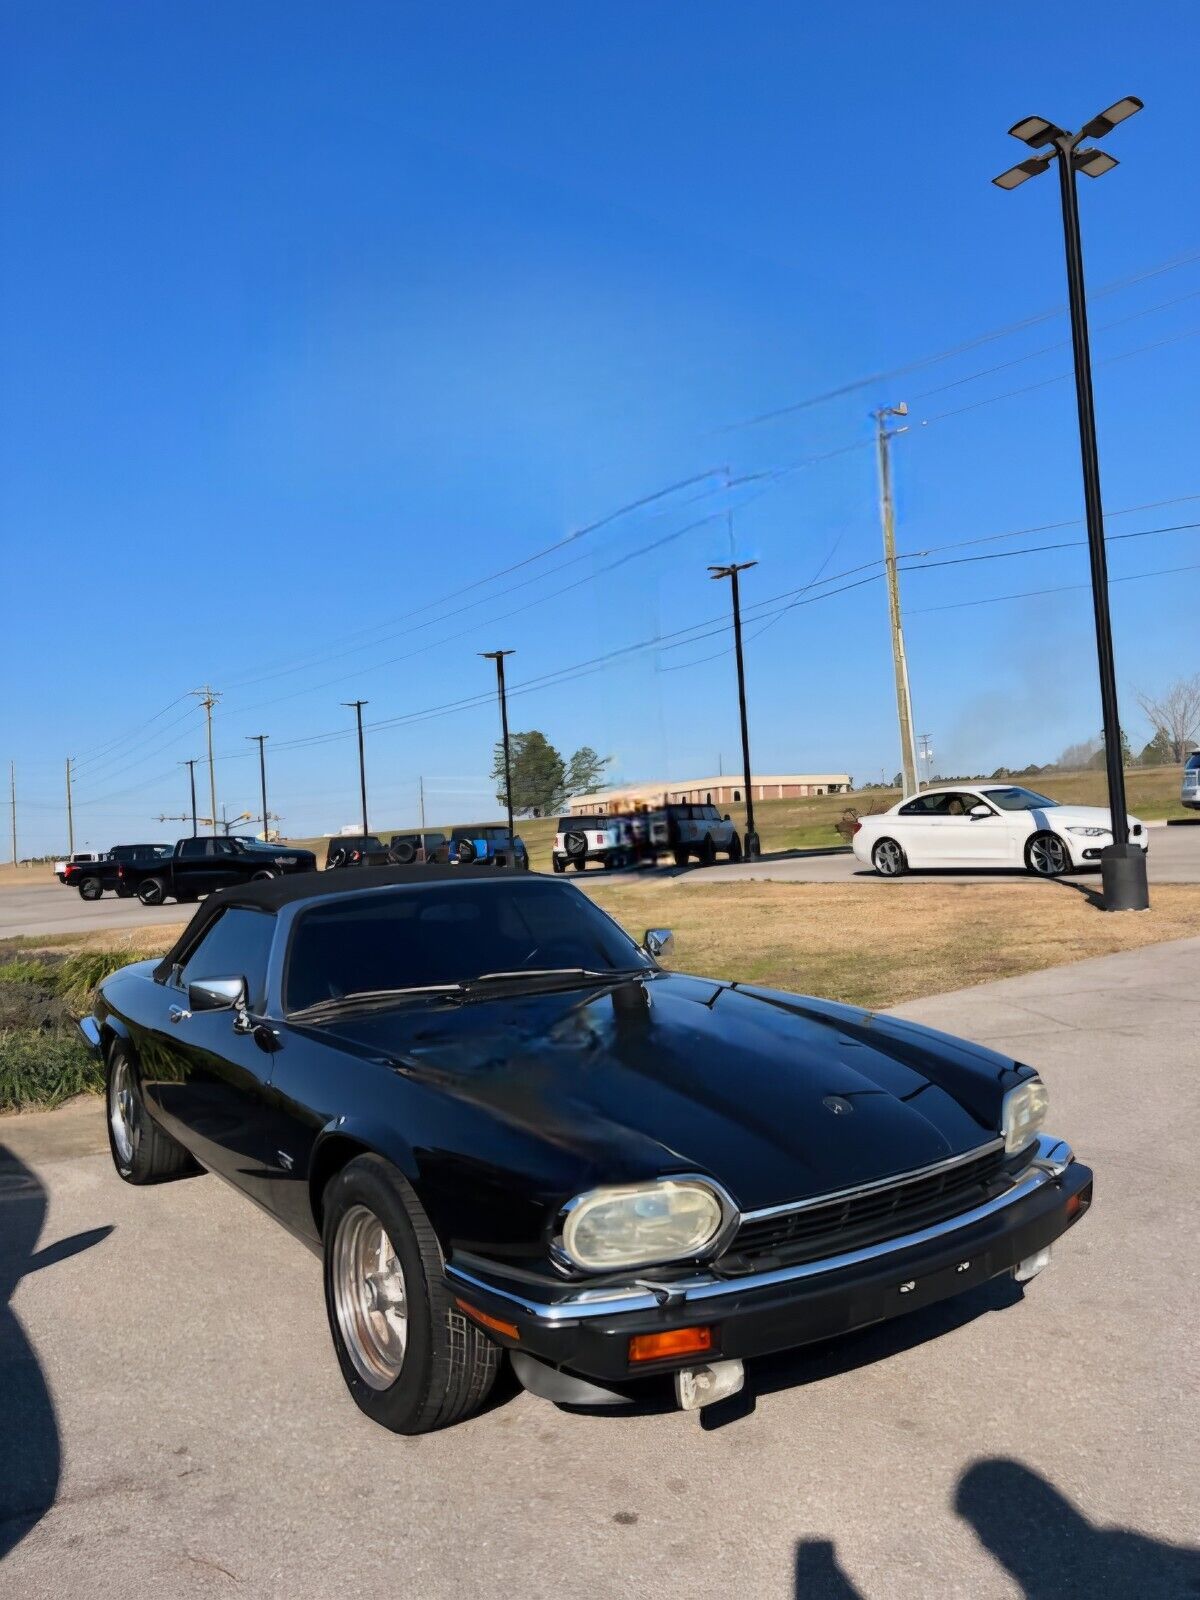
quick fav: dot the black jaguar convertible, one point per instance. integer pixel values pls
(505, 1127)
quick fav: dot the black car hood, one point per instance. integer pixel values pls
(776, 1096)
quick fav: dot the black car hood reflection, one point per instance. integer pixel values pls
(776, 1096)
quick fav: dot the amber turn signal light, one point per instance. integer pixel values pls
(675, 1342)
(492, 1324)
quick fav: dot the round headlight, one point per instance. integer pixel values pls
(1023, 1113)
(643, 1223)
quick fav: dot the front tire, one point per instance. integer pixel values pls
(888, 859)
(411, 1359)
(735, 848)
(680, 857)
(1046, 856)
(708, 852)
(261, 877)
(141, 1151)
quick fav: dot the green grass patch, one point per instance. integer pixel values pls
(39, 1070)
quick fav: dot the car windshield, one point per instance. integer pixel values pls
(448, 934)
(1016, 799)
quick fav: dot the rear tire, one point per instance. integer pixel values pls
(559, 864)
(708, 852)
(579, 862)
(152, 892)
(888, 859)
(141, 1152)
(680, 857)
(411, 1359)
(466, 852)
(1046, 856)
(91, 889)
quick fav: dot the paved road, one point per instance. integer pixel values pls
(172, 1422)
(49, 908)
(1174, 858)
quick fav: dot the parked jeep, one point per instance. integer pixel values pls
(487, 842)
(425, 849)
(355, 850)
(608, 840)
(700, 831)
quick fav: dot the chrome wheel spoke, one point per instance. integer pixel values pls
(370, 1297)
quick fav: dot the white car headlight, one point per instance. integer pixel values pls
(1090, 833)
(1022, 1114)
(639, 1224)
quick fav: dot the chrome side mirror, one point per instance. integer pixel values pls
(221, 994)
(659, 943)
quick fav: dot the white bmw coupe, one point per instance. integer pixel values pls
(986, 825)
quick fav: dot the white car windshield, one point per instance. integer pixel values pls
(1016, 799)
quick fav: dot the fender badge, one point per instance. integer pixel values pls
(836, 1103)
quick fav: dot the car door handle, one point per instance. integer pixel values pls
(177, 1014)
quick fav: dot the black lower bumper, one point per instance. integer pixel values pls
(760, 1317)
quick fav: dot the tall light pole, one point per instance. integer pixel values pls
(1122, 865)
(356, 706)
(498, 657)
(261, 739)
(750, 845)
(208, 699)
(191, 766)
(887, 516)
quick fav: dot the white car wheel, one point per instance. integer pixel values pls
(1047, 856)
(888, 859)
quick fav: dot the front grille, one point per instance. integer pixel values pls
(868, 1216)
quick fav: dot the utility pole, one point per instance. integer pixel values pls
(208, 699)
(884, 436)
(191, 766)
(926, 754)
(751, 846)
(12, 800)
(70, 813)
(421, 794)
(498, 657)
(260, 739)
(356, 706)
(1122, 864)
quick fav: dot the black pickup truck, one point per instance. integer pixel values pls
(103, 875)
(198, 866)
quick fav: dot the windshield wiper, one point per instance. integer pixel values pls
(589, 974)
(368, 997)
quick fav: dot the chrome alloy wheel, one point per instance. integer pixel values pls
(122, 1111)
(370, 1297)
(887, 858)
(1048, 856)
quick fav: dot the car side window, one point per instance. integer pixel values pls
(193, 849)
(225, 847)
(920, 807)
(236, 945)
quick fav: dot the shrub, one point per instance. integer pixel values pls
(42, 1070)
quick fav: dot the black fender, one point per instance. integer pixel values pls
(337, 1144)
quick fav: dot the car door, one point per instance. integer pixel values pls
(208, 1078)
(192, 869)
(958, 839)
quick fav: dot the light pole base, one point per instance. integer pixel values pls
(1123, 868)
(751, 849)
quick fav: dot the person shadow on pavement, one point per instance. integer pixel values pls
(1045, 1544)
(30, 1451)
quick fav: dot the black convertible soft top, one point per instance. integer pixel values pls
(270, 893)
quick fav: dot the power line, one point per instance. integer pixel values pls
(1062, 588)
(889, 376)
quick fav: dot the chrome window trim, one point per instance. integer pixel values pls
(641, 1296)
(895, 1182)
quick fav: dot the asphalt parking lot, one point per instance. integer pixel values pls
(47, 908)
(172, 1421)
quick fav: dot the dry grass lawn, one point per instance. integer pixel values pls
(872, 944)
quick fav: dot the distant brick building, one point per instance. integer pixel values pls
(720, 791)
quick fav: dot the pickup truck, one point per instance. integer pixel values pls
(81, 858)
(94, 878)
(198, 866)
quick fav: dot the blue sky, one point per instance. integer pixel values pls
(314, 316)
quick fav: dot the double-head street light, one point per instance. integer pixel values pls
(498, 657)
(1123, 865)
(750, 846)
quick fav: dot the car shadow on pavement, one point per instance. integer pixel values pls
(1043, 1542)
(30, 1452)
